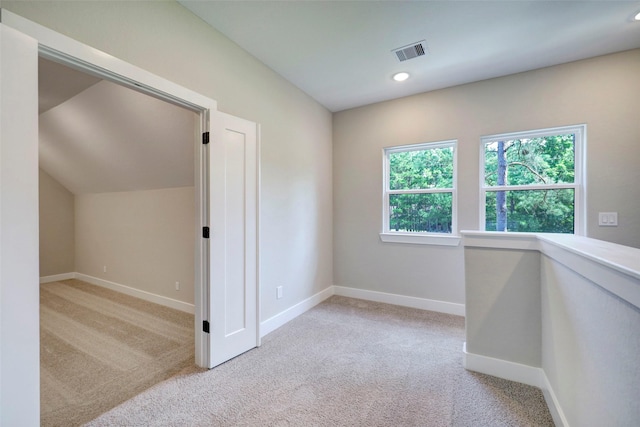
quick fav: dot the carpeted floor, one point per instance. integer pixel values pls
(346, 362)
(99, 348)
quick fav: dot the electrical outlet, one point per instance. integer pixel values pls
(279, 292)
(104, 269)
(177, 286)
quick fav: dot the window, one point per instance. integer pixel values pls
(420, 193)
(533, 181)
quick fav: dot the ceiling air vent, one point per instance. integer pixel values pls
(411, 51)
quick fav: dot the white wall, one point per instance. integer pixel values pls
(57, 227)
(144, 238)
(166, 39)
(600, 92)
(19, 291)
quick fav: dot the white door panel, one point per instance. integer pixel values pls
(233, 222)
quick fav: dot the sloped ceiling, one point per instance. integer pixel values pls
(57, 83)
(340, 52)
(109, 138)
(96, 136)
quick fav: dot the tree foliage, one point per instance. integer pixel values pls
(425, 169)
(425, 177)
(544, 160)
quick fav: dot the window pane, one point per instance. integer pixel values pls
(545, 160)
(420, 213)
(421, 169)
(543, 211)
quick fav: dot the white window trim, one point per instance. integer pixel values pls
(579, 184)
(440, 239)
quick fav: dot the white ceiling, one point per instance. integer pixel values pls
(97, 136)
(339, 52)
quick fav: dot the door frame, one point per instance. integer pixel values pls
(67, 51)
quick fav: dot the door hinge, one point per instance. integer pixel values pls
(205, 138)
(205, 326)
(205, 232)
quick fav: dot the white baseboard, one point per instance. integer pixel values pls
(147, 296)
(291, 313)
(502, 368)
(57, 277)
(413, 302)
(517, 372)
(550, 397)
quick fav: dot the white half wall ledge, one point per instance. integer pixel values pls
(421, 239)
(402, 300)
(517, 372)
(502, 240)
(144, 295)
(613, 267)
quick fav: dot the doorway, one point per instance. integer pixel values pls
(22, 42)
(127, 162)
(122, 221)
(146, 155)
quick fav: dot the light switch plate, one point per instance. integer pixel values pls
(608, 219)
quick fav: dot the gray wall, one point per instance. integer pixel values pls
(590, 347)
(57, 227)
(601, 92)
(166, 39)
(503, 309)
(549, 309)
(144, 238)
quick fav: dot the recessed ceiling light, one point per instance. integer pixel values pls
(637, 17)
(400, 77)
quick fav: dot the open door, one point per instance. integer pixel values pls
(226, 297)
(233, 237)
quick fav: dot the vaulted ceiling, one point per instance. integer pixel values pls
(97, 136)
(340, 52)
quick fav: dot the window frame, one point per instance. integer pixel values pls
(425, 238)
(578, 185)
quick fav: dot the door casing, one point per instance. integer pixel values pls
(64, 50)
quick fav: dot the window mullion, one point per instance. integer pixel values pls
(421, 191)
(529, 187)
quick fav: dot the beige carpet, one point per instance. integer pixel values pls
(346, 362)
(99, 348)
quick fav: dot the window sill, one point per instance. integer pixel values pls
(420, 239)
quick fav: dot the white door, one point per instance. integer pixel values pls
(233, 222)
